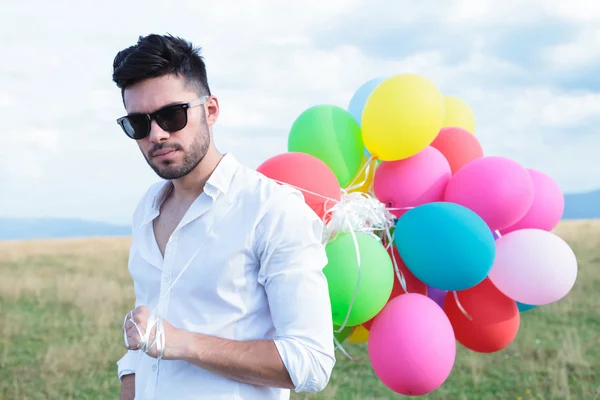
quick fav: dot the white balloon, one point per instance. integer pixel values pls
(534, 267)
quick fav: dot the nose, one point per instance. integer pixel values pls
(157, 134)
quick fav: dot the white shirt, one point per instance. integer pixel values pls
(256, 272)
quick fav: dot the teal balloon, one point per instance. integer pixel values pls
(445, 245)
(524, 307)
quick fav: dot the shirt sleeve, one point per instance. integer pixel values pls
(126, 365)
(292, 259)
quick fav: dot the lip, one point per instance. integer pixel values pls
(160, 154)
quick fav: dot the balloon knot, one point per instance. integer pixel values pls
(357, 212)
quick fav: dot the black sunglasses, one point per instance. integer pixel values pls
(170, 118)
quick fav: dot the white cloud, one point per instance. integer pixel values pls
(578, 11)
(507, 12)
(24, 154)
(6, 100)
(267, 63)
(565, 110)
(583, 51)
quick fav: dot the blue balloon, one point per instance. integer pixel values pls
(359, 99)
(445, 245)
(524, 307)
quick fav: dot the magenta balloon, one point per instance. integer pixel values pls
(413, 181)
(547, 207)
(498, 189)
(411, 344)
(533, 267)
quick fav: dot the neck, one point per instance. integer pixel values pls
(190, 186)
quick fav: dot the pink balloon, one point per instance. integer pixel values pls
(533, 266)
(413, 181)
(411, 344)
(498, 189)
(547, 207)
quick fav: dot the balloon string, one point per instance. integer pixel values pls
(336, 201)
(460, 307)
(399, 273)
(155, 319)
(358, 279)
(159, 338)
(370, 216)
(365, 171)
(338, 345)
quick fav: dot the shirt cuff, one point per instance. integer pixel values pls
(309, 369)
(126, 365)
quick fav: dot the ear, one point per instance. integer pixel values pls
(212, 110)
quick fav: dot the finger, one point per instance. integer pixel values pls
(133, 341)
(140, 314)
(129, 341)
(135, 332)
(138, 326)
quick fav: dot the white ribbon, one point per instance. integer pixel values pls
(143, 344)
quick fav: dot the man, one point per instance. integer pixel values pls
(226, 264)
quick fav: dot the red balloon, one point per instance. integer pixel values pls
(458, 145)
(307, 173)
(413, 284)
(495, 317)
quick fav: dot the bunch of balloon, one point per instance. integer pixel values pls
(475, 229)
(430, 242)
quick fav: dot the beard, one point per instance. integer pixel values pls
(191, 157)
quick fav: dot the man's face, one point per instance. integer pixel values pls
(171, 155)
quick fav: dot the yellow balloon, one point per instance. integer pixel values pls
(359, 335)
(401, 117)
(363, 180)
(458, 113)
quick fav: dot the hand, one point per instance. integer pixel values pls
(136, 323)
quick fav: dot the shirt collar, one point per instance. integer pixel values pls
(220, 179)
(218, 182)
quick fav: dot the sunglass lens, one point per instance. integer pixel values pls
(136, 126)
(172, 119)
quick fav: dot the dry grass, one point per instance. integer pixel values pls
(62, 301)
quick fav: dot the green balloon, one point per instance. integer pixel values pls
(343, 335)
(376, 277)
(331, 134)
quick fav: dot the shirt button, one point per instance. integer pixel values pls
(166, 279)
(154, 368)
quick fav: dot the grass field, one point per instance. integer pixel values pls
(62, 301)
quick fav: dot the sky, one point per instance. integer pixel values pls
(528, 71)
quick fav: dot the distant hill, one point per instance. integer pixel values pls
(582, 205)
(577, 206)
(41, 228)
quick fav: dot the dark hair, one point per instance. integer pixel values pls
(157, 55)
